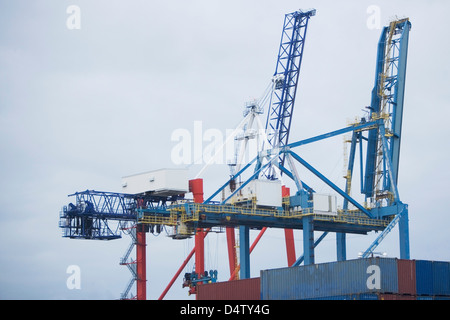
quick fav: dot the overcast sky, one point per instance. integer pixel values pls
(81, 108)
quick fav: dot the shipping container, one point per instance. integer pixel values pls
(372, 275)
(441, 278)
(441, 298)
(369, 296)
(432, 278)
(245, 289)
(425, 298)
(360, 296)
(406, 276)
(424, 278)
(389, 296)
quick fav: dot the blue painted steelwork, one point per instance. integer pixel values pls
(383, 143)
(331, 184)
(300, 259)
(244, 252)
(285, 80)
(385, 232)
(91, 215)
(308, 239)
(213, 215)
(192, 279)
(387, 104)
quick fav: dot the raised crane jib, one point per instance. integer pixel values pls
(285, 80)
(387, 107)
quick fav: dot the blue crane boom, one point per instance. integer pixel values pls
(88, 217)
(285, 80)
(387, 104)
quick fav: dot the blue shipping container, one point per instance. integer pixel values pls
(441, 278)
(372, 275)
(361, 296)
(424, 277)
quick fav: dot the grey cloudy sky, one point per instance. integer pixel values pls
(79, 109)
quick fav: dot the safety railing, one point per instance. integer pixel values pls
(192, 211)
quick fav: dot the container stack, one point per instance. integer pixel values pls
(360, 279)
(245, 289)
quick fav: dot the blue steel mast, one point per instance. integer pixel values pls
(379, 182)
(387, 104)
(285, 80)
(383, 148)
(279, 115)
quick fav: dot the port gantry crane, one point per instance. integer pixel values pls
(94, 213)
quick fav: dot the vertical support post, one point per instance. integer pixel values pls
(231, 243)
(255, 242)
(341, 249)
(196, 187)
(341, 246)
(141, 281)
(403, 226)
(290, 246)
(308, 239)
(199, 253)
(288, 233)
(244, 251)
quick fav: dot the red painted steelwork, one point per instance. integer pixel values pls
(290, 246)
(231, 243)
(289, 234)
(255, 242)
(180, 269)
(196, 187)
(245, 289)
(141, 282)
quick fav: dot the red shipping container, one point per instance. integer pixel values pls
(385, 296)
(406, 270)
(246, 289)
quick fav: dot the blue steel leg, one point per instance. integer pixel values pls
(403, 226)
(340, 237)
(244, 251)
(341, 247)
(308, 240)
(316, 243)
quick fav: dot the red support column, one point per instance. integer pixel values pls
(141, 281)
(199, 253)
(231, 243)
(290, 246)
(289, 234)
(196, 187)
